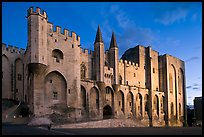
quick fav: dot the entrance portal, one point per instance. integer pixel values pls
(107, 112)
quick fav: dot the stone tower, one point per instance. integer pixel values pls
(37, 35)
(99, 56)
(113, 58)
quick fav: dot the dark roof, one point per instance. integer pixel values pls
(113, 41)
(98, 36)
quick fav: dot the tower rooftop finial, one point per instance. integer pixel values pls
(98, 36)
(113, 41)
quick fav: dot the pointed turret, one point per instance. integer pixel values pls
(98, 36)
(113, 41)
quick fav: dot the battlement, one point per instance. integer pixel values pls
(38, 11)
(12, 49)
(66, 33)
(86, 51)
(129, 63)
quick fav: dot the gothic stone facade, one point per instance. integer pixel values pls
(54, 75)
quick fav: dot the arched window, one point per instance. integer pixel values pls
(57, 54)
(83, 71)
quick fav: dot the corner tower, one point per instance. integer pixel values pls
(37, 35)
(113, 57)
(99, 56)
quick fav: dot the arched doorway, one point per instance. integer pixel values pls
(107, 112)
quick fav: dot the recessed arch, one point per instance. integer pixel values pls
(6, 77)
(55, 88)
(121, 100)
(139, 105)
(18, 65)
(94, 98)
(130, 103)
(83, 97)
(156, 104)
(180, 81)
(109, 96)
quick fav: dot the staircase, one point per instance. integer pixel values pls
(11, 113)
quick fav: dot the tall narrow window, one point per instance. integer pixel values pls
(19, 77)
(83, 71)
(153, 70)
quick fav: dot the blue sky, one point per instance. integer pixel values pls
(174, 28)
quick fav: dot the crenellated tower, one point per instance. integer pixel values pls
(99, 56)
(113, 57)
(37, 35)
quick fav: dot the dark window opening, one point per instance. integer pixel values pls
(57, 54)
(55, 95)
(19, 77)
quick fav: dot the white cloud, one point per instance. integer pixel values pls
(131, 33)
(170, 17)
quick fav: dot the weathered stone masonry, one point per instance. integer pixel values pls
(54, 75)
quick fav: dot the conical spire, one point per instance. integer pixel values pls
(98, 36)
(113, 41)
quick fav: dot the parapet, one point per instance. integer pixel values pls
(66, 33)
(38, 11)
(86, 51)
(13, 49)
(129, 63)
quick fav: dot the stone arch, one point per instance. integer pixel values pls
(121, 101)
(130, 102)
(57, 54)
(83, 97)
(156, 104)
(6, 77)
(139, 105)
(55, 88)
(174, 78)
(180, 81)
(107, 112)
(18, 94)
(109, 96)
(94, 99)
